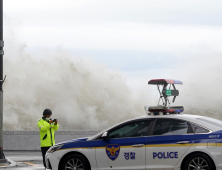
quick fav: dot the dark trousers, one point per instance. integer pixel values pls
(44, 150)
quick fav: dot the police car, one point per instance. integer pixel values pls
(164, 139)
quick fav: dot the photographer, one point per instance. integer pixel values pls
(47, 127)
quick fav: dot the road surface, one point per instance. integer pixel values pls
(26, 160)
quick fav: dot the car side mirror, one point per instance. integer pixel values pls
(104, 135)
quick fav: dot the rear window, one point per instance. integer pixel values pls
(211, 121)
(197, 129)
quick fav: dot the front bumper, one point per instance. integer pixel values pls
(48, 164)
(52, 162)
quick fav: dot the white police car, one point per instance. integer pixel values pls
(169, 142)
(162, 140)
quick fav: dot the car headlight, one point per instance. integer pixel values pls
(54, 148)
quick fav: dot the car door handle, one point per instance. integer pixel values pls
(183, 142)
(138, 145)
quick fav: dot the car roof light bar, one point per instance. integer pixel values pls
(172, 109)
(163, 110)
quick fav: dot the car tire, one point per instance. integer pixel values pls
(199, 160)
(75, 160)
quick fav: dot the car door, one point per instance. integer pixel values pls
(124, 147)
(170, 139)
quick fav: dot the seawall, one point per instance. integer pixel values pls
(29, 140)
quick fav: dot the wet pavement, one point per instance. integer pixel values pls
(26, 160)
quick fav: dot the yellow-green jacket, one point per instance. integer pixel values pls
(47, 135)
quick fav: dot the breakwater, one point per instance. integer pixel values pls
(29, 140)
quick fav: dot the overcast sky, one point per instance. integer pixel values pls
(126, 35)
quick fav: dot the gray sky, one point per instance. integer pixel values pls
(130, 36)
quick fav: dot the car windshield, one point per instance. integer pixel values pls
(211, 121)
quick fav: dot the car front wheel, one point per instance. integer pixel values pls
(75, 162)
(199, 161)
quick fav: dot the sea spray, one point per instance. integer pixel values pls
(81, 93)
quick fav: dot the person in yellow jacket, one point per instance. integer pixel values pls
(47, 127)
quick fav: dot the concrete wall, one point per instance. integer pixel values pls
(29, 140)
